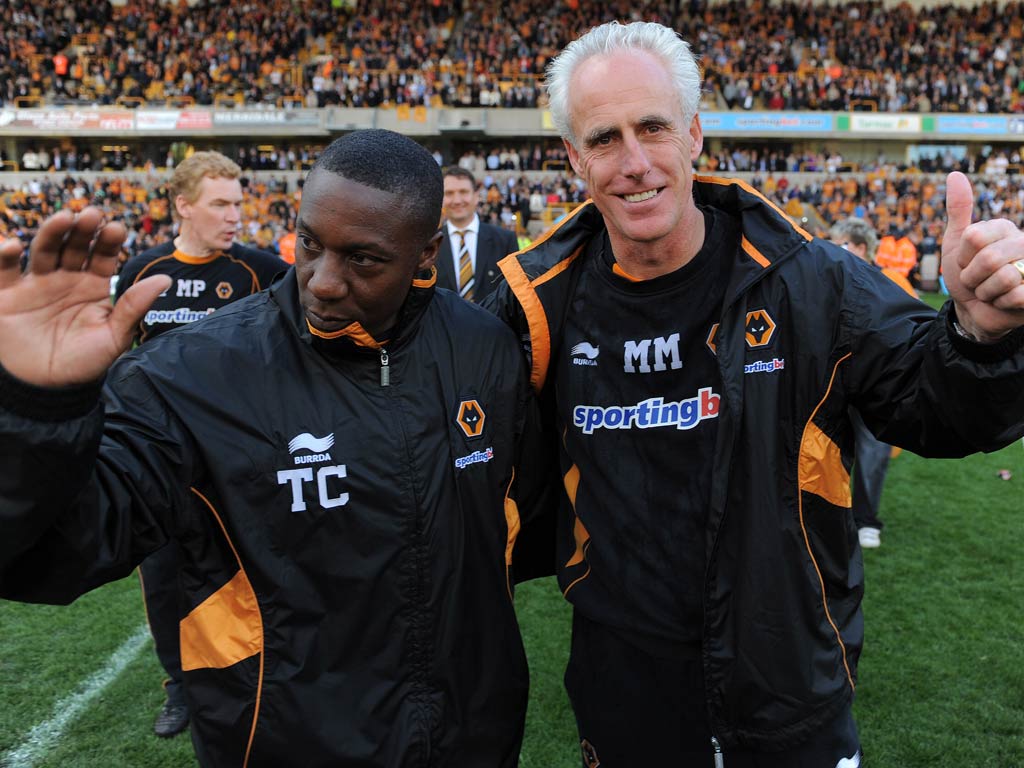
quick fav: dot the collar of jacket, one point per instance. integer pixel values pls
(353, 338)
(768, 234)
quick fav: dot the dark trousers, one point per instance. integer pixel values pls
(159, 575)
(638, 710)
(871, 463)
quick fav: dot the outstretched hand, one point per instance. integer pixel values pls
(978, 266)
(57, 325)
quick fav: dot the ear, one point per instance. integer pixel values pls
(183, 207)
(574, 157)
(697, 136)
(429, 254)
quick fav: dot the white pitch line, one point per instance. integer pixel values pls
(45, 735)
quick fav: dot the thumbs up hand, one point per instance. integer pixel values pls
(983, 266)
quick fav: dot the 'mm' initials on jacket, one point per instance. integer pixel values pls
(640, 352)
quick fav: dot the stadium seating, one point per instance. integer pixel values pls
(865, 56)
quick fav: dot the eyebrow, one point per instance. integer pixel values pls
(645, 121)
(375, 248)
(599, 133)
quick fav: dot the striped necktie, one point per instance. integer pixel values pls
(465, 265)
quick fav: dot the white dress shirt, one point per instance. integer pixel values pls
(472, 230)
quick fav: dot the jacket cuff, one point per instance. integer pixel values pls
(47, 404)
(996, 352)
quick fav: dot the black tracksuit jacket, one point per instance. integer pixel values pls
(347, 543)
(806, 330)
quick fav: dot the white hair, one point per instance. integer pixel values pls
(649, 36)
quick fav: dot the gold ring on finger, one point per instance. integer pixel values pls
(1019, 266)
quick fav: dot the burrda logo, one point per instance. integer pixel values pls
(327, 478)
(317, 447)
(585, 353)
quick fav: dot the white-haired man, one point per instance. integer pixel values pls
(700, 353)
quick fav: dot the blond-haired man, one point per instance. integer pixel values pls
(208, 270)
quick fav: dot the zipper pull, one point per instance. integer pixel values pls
(385, 372)
(719, 759)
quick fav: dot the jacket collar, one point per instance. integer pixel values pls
(353, 338)
(769, 236)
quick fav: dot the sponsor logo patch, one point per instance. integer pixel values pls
(654, 412)
(181, 315)
(476, 457)
(765, 366)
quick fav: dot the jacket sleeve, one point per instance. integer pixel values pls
(89, 484)
(920, 386)
(537, 491)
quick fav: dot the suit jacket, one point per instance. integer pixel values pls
(492, 245)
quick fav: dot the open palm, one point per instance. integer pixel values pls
(57, 326)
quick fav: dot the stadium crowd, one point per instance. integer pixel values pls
(315, 53)
(66, 155)
(268, 208)
(900, 203)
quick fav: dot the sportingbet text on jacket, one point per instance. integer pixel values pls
(346, 541)
(805, 331)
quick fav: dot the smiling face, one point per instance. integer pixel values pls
(460, 200)
(357, 249)
(635, 149)
(211, 222)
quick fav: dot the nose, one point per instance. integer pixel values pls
(328, 282)
(234, 213)
(635, 162)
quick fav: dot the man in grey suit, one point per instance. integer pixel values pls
(470, 249)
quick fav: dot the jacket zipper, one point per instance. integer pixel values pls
(423, 643)
(719, 758)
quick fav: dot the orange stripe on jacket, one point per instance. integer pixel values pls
(255, 617)
(822, 454)
(224, 629)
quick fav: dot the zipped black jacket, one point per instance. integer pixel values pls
(347, 542)
(806, 330)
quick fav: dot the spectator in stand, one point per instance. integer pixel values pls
(941, 57)
(897, 252)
